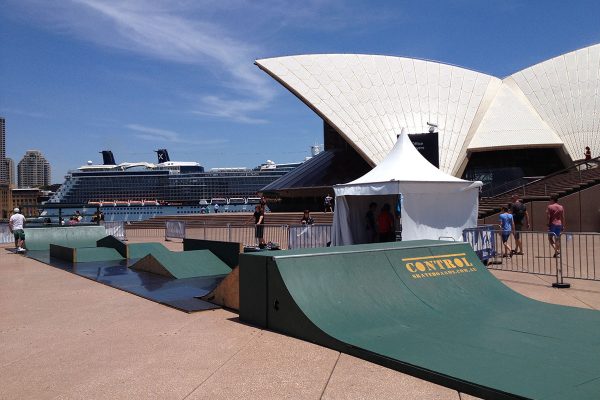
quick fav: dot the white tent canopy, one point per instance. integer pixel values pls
(434, 204)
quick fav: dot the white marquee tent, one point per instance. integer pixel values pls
(434, 204)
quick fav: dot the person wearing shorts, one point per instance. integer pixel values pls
(556, 223)
(16, 225)
(508, 227)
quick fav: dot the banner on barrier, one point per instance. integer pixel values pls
(116, 229)
(482, 240)
(175, 229)
(5, 235)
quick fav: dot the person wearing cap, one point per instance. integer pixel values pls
(16, 224)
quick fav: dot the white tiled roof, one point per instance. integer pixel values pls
(565, 92)
(368, 99)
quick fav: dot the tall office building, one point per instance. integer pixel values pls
(10, 170)
(33, 170)
(3, 167)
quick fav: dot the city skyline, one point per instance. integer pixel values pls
(85, 76)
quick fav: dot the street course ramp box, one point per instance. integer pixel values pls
(179, 265)
(227, 293)
(69, 236)
(84, 254)
(430, 309)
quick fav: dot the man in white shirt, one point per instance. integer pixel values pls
(16, 223)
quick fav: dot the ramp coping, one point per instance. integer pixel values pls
(361, 251)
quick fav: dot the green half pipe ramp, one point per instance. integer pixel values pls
(430, 309)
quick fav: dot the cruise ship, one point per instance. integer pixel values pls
(135, 191)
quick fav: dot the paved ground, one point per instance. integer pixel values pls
(65, 337)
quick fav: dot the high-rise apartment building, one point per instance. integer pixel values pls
(3, 167)
(33, 170)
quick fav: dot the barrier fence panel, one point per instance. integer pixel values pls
(578, 255)
(244, 234)
(116, 229)
(537, 258)
(144, 232)
(174, 229)
(5, 234)
(308, 236)
(576, 259)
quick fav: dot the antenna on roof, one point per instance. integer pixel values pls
(432, 127)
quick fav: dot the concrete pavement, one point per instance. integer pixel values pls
(65, 337)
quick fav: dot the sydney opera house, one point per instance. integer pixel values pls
(530, 123)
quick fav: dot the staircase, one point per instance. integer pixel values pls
(561, 183)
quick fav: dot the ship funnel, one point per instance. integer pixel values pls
(108, 158)
(163, 155)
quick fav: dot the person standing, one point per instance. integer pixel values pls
(587, 156)
(556, 223)
(327, 203)
(16, 224)
(520, 215)
(371, 225)
(306, 218)
(259, 222)
(216, 207)
(385, 223)
(508, 227)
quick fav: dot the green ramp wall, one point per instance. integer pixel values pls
(71, 236)
(430, 309)
(179, 265)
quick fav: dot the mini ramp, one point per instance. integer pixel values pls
(108, 261)
(39, 239)
(430, 309)
(180, 265)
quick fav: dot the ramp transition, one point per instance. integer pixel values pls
(227, 292)
(179, 265)
(39, 239)
(430, 309)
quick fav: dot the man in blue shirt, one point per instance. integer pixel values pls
(508, 227)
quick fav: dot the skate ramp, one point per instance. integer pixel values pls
(180, 265)
(430, 309)
(84, 254)
(132, 250)
(37, 239)
(227, 293)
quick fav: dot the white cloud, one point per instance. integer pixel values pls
(175, 32)
(163, 135)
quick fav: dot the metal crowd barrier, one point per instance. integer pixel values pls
(578, 255)
(244, 234)
(576, 259)
(309, 236)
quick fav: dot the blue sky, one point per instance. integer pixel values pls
(80, 76)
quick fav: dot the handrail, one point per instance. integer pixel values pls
(595, 160)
